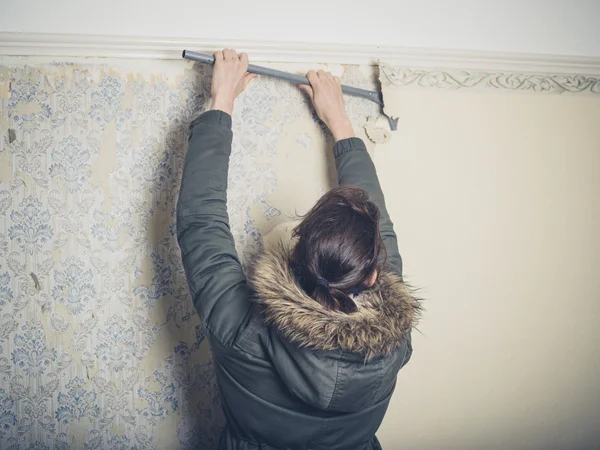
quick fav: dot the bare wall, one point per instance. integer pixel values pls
(495, 198)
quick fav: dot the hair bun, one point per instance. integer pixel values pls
(323, 282)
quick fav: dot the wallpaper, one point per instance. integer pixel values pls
(99, 345)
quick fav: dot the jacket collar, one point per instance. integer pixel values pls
(386, 312)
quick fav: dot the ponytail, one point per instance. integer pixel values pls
(338, 248)
(334, 299)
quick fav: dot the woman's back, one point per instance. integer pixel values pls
(277, 395)
(311, 396)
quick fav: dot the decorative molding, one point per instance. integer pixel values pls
(72, 45)
(514, 81)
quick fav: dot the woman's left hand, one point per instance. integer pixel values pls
(230, 78)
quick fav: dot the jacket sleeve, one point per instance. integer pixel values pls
(355, 167)
(214, 273)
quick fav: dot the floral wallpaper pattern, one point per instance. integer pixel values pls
(99, 345)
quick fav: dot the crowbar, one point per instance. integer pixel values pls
(296, 79)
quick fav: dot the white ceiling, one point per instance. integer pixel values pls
(557, 27)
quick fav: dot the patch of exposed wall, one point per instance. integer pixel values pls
(493, 181)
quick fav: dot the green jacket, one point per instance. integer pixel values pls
(292, 374)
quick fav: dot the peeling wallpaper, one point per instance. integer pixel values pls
(99, 345)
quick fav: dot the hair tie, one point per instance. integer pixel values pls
(323, 282)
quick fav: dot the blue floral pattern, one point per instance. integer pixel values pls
(106, 100)
(116, 343)
(76, 402)
(30, 90)
(152, 165)
(156, 411)
(120, 442)
(161, 282)
(74, 285)
(30, 352)
(30, 154)
(8, 418)
(100, 346)
(109, 227)
(31, 227)
(71, 163)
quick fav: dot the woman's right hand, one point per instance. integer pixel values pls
(325, 91)
(230, 78)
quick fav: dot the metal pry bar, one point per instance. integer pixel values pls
(374, 96)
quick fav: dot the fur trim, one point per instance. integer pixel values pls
(386, 312)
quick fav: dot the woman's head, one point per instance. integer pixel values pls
(339, 247)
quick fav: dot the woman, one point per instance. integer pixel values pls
(307, 349)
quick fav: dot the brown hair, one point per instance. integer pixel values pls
(338, 248)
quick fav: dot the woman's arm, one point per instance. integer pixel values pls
(216, 281)
(353, 163)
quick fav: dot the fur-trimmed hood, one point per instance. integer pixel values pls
(386, 312)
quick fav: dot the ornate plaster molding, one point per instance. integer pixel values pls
(505, 80)
(84, 45)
